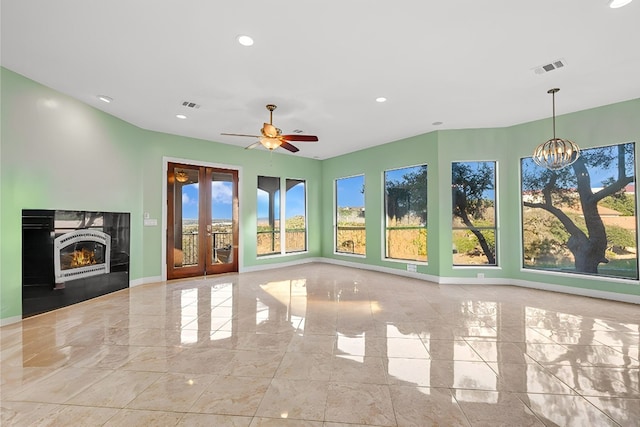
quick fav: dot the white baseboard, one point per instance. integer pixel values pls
(10, 320)
(280, 265)
(144, 281)
(593, 293)
(613, 296)
(396, 271)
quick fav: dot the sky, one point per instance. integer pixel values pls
(222, 197)
(349, 191)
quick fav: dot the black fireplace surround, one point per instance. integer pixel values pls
(72, 256)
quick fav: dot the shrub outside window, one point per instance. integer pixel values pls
(350, 232)
(269, 216)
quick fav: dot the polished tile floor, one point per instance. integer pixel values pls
(324, 345)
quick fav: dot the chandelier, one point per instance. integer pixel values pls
(556, 153)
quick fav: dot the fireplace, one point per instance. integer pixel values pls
(81, 253)
(72, 256)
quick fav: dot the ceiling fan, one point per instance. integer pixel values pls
(272, 137)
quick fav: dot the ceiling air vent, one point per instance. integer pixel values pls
(543, 69)
(190, 104)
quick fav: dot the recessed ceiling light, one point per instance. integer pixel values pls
(381, 99)
(614, 4)
(245, 40)
(181, 116)
(105, 98)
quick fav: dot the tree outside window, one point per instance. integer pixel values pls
(582, 218)
(406, 213)
(474, 213)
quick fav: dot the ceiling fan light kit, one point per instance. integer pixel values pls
(556, 153)
(614, 4)
(272, 137)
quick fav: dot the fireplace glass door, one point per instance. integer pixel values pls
(202, 221)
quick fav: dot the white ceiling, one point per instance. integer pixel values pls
(466, 63)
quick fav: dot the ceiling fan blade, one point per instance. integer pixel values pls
(306, 138)
(289, 147)
(240, 134)
(270, 130)
(254, 145)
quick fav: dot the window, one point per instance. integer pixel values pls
(295, 209)
(474, 213)
(406, 213)
(350, 224)
(270, 216)
(582, 219)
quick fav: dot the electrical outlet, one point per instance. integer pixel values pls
(412, 267)
(480, 275)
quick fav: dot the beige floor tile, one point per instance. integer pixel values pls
(360, 403)
(424, 406)
(492, 408)
(294, 399)
(279, 422)
(172, 392)
(565, 410)
(624, 411)
(209, 420)
(115, 390)
(61, 385)
(305, 366)
(138, 418)
(409, 371)
(27, 413)
(359, 369)
(529, 377)
(228, 395)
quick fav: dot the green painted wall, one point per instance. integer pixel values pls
(59, 153)
(606, 125)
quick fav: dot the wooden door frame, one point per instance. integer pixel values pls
(165, 169)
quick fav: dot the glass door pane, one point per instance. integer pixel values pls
(220, 227)
(186, 201)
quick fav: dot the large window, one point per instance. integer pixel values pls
(406, 213)
(269, 241)
(295, 211)
(474, 213)
(349, 220)
(582, 218)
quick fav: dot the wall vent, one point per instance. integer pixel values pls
(190, 104)
(543, 69)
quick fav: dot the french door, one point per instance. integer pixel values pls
(202, 220)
